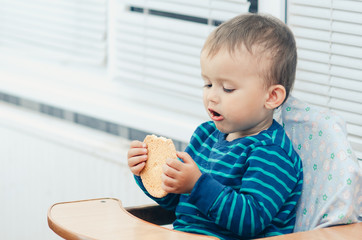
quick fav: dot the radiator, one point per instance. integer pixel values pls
(44, 160)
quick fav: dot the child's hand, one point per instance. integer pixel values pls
(180, 177)
(137, 157)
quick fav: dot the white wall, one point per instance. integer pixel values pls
(44, 161)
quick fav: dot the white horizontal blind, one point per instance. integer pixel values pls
(157, 49)
(329, 72)
(62, 30)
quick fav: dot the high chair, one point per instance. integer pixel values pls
(332, 184)
(332, 190)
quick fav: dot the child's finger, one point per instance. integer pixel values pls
(136, 170)
(133, 161)
(136, 152)
(168, 183)
(185, 157)
(169, 171)
(174, 163)
(138, 144)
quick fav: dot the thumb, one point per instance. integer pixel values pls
(186, 158)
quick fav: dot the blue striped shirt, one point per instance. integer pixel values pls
(249, 187)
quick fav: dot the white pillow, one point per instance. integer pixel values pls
(332, 187)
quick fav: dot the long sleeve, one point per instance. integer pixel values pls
(170, 201)
(265, 191)
(249, 187)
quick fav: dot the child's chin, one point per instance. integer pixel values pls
(222, 128)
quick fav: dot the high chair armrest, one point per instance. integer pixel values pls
(153, 213)
(348, 231)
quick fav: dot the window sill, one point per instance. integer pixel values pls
(89, 92)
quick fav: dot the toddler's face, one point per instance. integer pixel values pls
(234, 93)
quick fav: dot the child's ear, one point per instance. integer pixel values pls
(276, 96)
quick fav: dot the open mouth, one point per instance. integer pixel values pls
(215, 115)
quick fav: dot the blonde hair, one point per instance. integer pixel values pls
(263, 36)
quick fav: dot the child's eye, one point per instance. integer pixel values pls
(207, 85)
(227, 90)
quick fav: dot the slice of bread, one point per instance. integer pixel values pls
(159, 149)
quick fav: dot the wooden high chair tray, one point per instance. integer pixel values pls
(106, 219)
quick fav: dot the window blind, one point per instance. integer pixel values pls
(329, 73)
(157, 49)
(61, 30)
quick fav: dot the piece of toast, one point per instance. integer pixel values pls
(159, 149)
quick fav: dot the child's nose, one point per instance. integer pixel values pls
(212, 95)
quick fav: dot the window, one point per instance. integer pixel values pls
(329, 74)
(157, 48)
(67, 31)
(113, 60)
